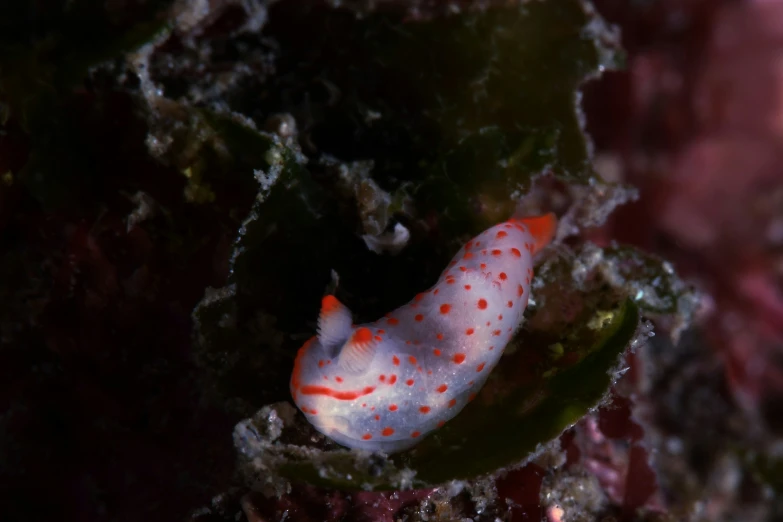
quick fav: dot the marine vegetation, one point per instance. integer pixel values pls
(329, 261)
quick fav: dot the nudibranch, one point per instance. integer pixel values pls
(383, 386)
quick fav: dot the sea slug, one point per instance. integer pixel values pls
(383, 386)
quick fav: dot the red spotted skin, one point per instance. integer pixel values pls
(432, 355)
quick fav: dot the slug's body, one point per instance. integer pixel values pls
(384, 385)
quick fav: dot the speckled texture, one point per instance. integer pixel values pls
(386, 384)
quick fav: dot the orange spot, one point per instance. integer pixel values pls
(444, 308)
(396, 361)
(377, 417)
(387, 431)
(468, 255)
(483, 266)
(496, 332)
(501, 234)
(393, 321)
(439, 337)
(468, 245)
(366, 436)
(503, 276)
(419, 318)
(480, 367)
(482, 304)
(496, 252)
(378, 338)
(418, 297)
(436, 352)
(381, 332)
(313, 412)
(412, 359)
(441, 424)
(436, 291)
(321, 364)
(392, 407)
(338, 379)
(491, 348)
(463, 269)
(409, 382)
(392, 379)
(510, 304)
(442, 388)
(500, 317)
(459, 358)
(329, 304)
(520, 290)
(450, 280)
(516, 252)
(469, 331)
(452, 403)
(382, 378)
(508, 225)
(415, 434)
(362, 335)
(467, 287)
(424, 409)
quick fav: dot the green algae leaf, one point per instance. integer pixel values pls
(443, 116)
(558, 368)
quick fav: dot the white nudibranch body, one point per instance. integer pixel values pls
(385, 385)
